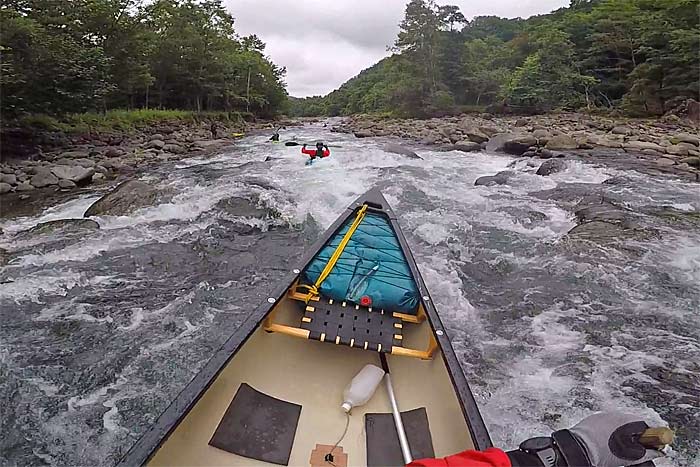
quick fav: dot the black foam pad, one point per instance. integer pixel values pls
(383, 448)
(258, 426)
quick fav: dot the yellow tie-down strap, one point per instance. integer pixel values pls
(313, 289)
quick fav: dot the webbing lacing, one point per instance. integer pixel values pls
(313, 289)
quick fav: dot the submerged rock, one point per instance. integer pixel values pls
(124, 199)
(63, 226)
(398, 149)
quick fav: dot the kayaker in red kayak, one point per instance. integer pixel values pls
(321, 151)
(600, 440)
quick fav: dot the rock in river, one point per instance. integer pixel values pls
(63, 226)
(124, 199)
(398, 149)
(76, 173)
(551, 166)
(501, 178)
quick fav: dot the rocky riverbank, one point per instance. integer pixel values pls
(668, 145)
(79, 161)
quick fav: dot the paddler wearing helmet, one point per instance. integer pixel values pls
(321, 151)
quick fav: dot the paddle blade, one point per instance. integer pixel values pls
(292, 143)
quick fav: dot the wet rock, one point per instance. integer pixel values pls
(5, 187)
(597, 231)
(398, 149)
(466, 146)
(691, 161)
(551, 166)
(4, 257)
(546, 154)
(63, 226)
(65, 183)
(604, 211)
(43, 178)
(242, 207)
(363, 134)
(155, 144)
(76, 174)
(501, 178)
(24, 186)
(9, 179)
(124, 199)
(561, 142)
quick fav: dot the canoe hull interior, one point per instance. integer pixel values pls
(313, 375)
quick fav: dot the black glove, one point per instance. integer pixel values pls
(600, 440)
(303, 146)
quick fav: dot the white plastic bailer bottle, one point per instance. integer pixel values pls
(362, 387)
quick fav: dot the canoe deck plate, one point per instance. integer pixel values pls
(383, 448)
(349, 324)
(258, 426)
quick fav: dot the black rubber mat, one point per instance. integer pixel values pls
(258, 426)
(383, 448)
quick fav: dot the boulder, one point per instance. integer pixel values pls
(686, 138)
(398, 149)
(155, 144)
(43, 178)
(65, 183)
(551, 166)
(208, 143)
(691, 161)
(363, 134)
(488, 130)
(5, 187)
(98, 176)
(561, 142)
(9, 179)
(7, 169)
(665, 162)
(174, 148)
(113, 152)
(474, 134)
(640, 145)
(76, 174)
(521, 122)
(546, 154)
(501, 178)
(517, 144)
(84, 162)
(156, 136)
(24, 186)
(622, 130)
(466, 146)
(124, 199)
(677, 149)
(543, 136)
(75, 154)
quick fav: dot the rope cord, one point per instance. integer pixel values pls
(329, 457)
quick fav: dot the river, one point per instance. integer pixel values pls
(100, 330)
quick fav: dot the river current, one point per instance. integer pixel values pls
(100, 330)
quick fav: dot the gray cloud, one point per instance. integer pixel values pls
(323, 43)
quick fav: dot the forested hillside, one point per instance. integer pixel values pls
(640, 56)
(61, 56)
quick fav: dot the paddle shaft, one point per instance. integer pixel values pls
(403, 440)
(294, 143)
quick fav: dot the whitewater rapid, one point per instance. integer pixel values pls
(99, 332)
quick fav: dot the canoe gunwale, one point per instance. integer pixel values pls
(151, 440)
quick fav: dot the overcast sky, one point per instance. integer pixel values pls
(323, 43)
